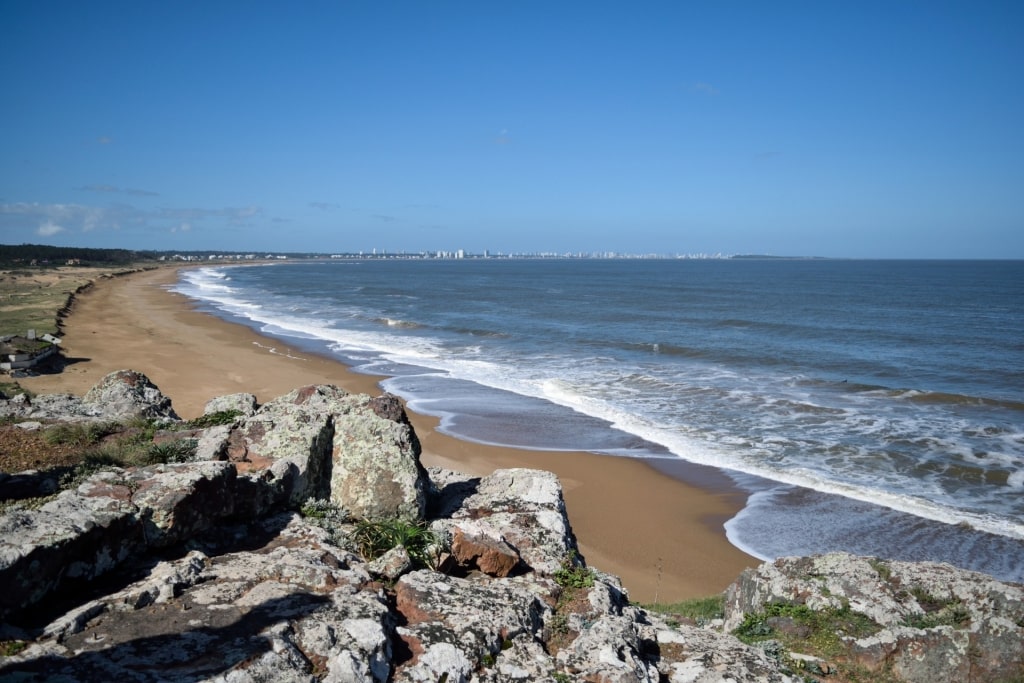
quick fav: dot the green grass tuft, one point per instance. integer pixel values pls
(373, 538)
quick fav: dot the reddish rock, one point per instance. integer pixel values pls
(492, 556)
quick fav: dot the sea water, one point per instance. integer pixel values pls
(869, 406)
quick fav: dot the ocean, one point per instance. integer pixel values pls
(869, 406)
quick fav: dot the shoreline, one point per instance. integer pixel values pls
(661, 534)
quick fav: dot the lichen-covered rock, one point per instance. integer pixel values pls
(244, 404)
(64, 407)
(522, 507)
(609, 649)
(937, 622)
(453, 623)
(72, 537)
(688, 654)
(376, 472)
(128, 393)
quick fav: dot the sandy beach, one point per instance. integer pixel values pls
(661, 535)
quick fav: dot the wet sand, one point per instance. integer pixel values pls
(662, 535)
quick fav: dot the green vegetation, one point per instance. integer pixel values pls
(937, 611)
(9, 648)
(117, 444)
(884, 572)
(80, 433)
(782, 628)
(90, 447)
(572, 573)
(698, 610)
(574, 579)
(821, 631)
(221, 417)
(9, 389)
(44, 254)
(373, 538)
(327, 516)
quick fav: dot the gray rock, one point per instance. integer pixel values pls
(453, 624)
(128, 393)
(212, 443)
(85, 533)
(376, 469)
(524, 509)
(937, 622)
(243, 403)
(392, 564)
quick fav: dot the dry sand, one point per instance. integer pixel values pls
(661, 535)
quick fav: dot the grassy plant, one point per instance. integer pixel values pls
(92, 463)
(327, 516)
(373, 538)
(79, 433)
(182, 450)
(698, 610)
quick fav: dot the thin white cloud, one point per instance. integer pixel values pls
(48, 229)
(109, 189)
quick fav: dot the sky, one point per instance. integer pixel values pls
(817, 128)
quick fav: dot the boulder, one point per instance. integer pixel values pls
(244, 404)
(283, 450)
(127, 393)
(376, 471)
(520, 509)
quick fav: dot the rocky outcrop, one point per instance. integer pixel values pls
(928, 621)
(243, 565)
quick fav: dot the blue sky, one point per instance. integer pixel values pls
(850, 129)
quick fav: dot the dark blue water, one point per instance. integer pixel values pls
(872, 406)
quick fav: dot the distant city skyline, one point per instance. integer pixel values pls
(846, 130)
